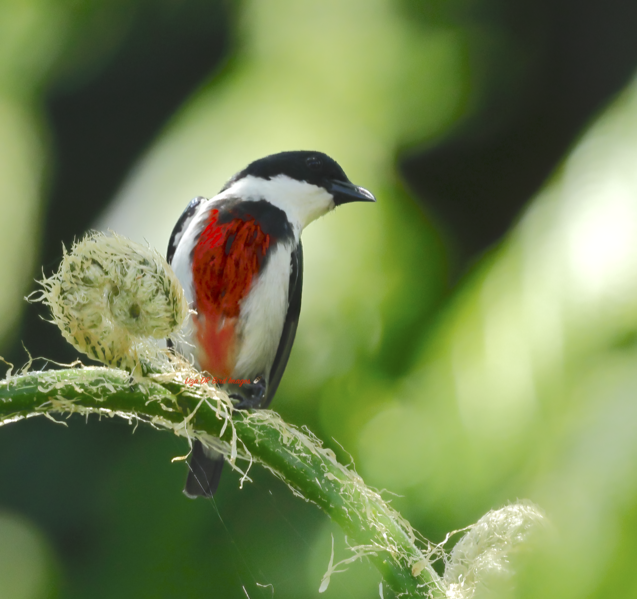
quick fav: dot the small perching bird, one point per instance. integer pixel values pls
(240, 260)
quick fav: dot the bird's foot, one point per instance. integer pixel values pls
(250, 395)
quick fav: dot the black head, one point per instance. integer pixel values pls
(314, 168)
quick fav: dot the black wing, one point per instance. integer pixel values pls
(182, 223)
(289, 327)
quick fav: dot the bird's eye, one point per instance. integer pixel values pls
(314, 162)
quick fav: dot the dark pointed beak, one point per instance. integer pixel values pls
(345, 192)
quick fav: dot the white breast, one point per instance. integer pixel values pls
(263, 315)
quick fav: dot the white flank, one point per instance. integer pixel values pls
(263, 314)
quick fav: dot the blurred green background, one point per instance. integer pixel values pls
(469, 340)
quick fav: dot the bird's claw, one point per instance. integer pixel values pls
(252, 395)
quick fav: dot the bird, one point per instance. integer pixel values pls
(239, 259)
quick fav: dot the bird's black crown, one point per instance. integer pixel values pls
(315, 168)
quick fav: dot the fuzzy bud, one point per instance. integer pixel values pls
(111, 297)
(481, 560)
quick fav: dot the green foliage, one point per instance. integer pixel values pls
(520, 384)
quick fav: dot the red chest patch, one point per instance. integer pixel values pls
(225, 262)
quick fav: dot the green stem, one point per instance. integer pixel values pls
(294, 456)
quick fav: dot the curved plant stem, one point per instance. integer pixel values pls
(294, 456)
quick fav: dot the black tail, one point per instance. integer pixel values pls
(205, 472)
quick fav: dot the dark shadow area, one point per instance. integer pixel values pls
(576, 56)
